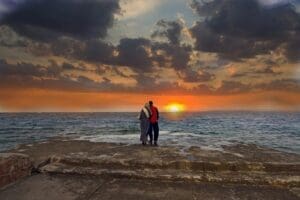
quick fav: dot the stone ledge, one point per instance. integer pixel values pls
(254, 173)
(13, 167)
(109, 162)
(222, 177)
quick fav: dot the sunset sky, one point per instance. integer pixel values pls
(114, 55)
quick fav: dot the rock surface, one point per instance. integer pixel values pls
(111, 171)
(13, 167)
(58, 187)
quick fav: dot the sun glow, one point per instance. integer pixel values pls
(175, 107)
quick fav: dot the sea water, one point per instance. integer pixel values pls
(211, 130)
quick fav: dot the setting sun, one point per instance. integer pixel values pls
(175, 107)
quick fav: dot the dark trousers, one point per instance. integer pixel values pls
(155, 128)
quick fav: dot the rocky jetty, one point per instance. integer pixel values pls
(85, 170)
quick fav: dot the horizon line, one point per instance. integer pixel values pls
(198, 111)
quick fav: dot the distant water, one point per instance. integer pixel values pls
(278, 130)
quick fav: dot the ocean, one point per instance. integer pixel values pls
(209, 130)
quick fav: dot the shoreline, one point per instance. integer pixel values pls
(163, 142)
(88, 139)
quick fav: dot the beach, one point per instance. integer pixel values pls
(72, 169)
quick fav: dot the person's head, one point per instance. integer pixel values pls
(151, 103)
(147, 105)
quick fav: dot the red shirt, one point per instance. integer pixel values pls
(154, 116)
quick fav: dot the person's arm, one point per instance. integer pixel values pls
(149, 112)
(140, 115)
(157, 113)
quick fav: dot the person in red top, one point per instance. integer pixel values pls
(153, 124)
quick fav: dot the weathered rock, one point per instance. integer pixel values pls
(223, 177)
(241, 171)
(118, 164)
(44, 187)
(13, 167)
(111, 162)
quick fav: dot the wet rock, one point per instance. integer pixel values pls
(13, 167)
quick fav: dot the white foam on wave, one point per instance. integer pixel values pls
(164, 132)
(184, 139)
(128, 138)
(212, 148)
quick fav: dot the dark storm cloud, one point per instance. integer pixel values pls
(27, 70)
(26, 75)
(45, 20)
(179, 55)
(139, 54)
(241, 29)
(51, 71)
(293, 49)
(134, 53)
(65, 47)
(148, 84)
(96, 51)
(169, 29)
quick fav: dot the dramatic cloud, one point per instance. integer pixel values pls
(178, 56)
(27, 70)
(96, 51)
(230, 47)
(293, 49)
(46, 20)
(54, 76)
(169, 29)
(135, 53)
(143, 55)
(241, 29)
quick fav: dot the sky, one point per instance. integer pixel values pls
(115, 55)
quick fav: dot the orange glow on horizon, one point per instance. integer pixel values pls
(36, 100)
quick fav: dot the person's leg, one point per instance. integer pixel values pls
(150, 133)
(144, 131)
(156, 132)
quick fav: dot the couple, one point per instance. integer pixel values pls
(148, 117)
